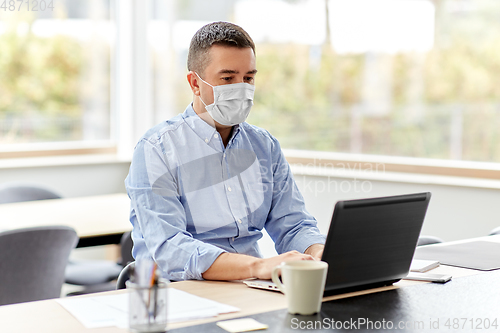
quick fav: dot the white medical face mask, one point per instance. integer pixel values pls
(232, 102)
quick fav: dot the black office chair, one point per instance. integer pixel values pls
(428, 240)
(96, 275)
(32, 262)
(495, 231)
(10, 193)
(125, 275)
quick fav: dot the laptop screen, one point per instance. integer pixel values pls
(371, 242)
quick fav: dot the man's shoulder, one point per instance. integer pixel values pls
(261, 140)
(158, 132)
(257, 131)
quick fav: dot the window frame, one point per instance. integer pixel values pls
(392, 164)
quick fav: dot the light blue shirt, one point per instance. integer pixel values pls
(193, 199)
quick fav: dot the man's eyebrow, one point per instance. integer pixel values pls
(228, 71)
(232, 71)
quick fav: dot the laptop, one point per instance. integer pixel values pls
(370, 242)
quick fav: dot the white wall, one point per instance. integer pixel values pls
(71, 179)
(454, 212)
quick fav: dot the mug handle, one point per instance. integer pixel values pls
(276, 279)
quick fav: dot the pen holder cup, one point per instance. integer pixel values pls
(147, 307)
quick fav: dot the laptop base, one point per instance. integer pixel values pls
(340, 291)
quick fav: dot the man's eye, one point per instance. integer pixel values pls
(249, 79)
(226, 78)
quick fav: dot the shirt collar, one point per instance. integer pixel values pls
(236, 130)
(198, 125)
(201, 128)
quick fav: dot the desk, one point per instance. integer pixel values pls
(467, 304)
(98, 220)
(407, 296)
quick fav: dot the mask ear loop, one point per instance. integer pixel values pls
(205, 83)
(202, 101)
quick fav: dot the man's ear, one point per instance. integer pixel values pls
(194, 83)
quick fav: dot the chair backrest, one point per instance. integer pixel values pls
(495, 231)
(428, 240)
(125, 275)
(32, 262)
(126, 245)
(20, 193)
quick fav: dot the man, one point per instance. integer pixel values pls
(204, 184)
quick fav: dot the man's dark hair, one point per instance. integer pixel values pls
(220, 33)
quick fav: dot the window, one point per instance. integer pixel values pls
(400, 78)
(412, 78)
(55, 71)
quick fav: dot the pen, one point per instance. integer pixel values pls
(155, 287)
(153, 274)
(151, 284)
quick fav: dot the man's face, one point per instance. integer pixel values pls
(227, 65)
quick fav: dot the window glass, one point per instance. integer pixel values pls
(55, 70)
(415, 78)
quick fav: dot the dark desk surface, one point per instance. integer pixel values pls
(466, 304)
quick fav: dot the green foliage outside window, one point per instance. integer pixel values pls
(314, 108)
(441, 104)
(40, 82)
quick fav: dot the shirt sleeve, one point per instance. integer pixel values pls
(289, 223)
(159, 218)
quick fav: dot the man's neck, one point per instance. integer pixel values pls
(225, 134)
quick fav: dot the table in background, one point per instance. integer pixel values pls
(98, 220)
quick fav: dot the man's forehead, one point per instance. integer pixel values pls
(229, 58)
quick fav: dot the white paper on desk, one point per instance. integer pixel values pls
(93, 313)
(183, 306)
(112, 310)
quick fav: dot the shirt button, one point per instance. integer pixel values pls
(239, 221)
(215, 136)
(206, 140)
(229, 189)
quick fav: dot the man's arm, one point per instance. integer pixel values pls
(159, 218)
(288, 223)
(315, 250)
(233, 266)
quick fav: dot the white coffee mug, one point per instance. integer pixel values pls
(303, 284)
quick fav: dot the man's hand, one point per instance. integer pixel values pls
(233, 266)
(316, 251)
(264, 267)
